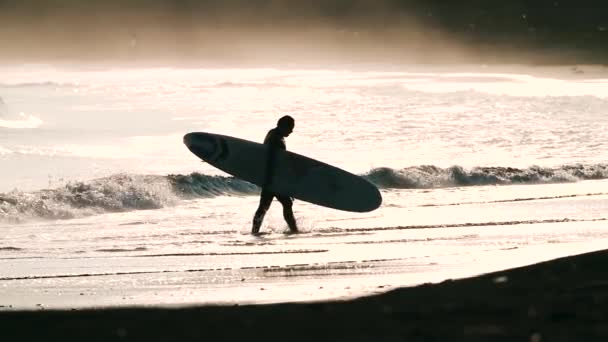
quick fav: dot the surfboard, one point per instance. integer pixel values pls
(295, 175)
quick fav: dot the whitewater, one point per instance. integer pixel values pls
(480, 168)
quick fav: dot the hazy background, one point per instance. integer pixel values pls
(313, 31)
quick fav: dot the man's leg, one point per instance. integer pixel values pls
(265, 201)
(287, 203)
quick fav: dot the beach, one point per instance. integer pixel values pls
(559, 300)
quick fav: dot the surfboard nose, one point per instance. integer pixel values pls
(204, 145)
(189, 139)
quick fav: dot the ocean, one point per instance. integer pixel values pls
(481, 168)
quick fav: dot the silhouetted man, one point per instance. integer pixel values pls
(275, 139)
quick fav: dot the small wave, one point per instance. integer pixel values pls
(460, 225)
(3, 108)
(116, 250)
(12, 249)
(21, 122)
(137, 223)
(229, 84)
(5, 151)
(429, 176)
(38, 84)
(516, 200)
(456, 238)
(290, 251)
(346, 268)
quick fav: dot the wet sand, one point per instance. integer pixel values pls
(560, 300)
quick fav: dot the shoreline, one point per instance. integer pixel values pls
(575, 72)
(564, 299)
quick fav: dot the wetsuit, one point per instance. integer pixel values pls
(275, 140)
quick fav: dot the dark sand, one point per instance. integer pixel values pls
(560, 300)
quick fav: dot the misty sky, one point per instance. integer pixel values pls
(282, 30)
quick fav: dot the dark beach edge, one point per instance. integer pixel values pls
(560, 300)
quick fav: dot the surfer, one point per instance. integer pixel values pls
(275, 139)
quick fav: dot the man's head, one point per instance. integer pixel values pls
(286, 125)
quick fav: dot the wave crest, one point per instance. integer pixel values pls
(201, 185)
(429, 176)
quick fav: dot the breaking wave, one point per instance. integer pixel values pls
(112, 194)
(117, 193)
(229, 84)
(38, 84)
(122, 192)
(429, 177)
(20, 120)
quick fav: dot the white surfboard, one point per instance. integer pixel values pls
(295, 175)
